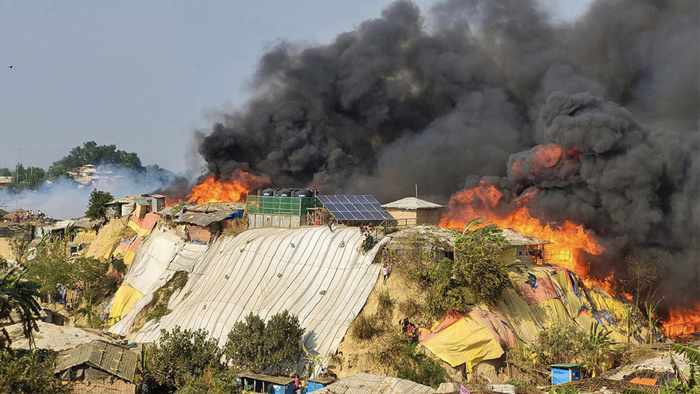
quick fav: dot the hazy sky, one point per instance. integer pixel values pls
(145, 74)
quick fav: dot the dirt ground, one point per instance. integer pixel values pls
(106, 239)
(355, 355)
(6, 249)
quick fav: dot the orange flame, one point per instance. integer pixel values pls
(568, 241)
(213, 189)
(683, 321)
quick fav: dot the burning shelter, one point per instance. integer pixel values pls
(412, 211)
(203, 223)
(100, 365)
(523, 248)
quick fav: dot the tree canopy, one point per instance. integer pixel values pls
(182, 358)
(257, 346)
(97, 207)
(91, 153)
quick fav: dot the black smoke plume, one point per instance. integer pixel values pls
(464, 91)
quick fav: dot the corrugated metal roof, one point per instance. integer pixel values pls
(216, 206)
(519, 239)
(203, 219)
(364, 383)
(267, 378)
(107, 357)
(411, 204)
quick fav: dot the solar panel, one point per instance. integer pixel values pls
(355, 208)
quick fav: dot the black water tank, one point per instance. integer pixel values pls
(308, 193)
(267, 192)
(284, 192)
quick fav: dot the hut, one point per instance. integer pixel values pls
(259, 383)
(523, 248)
(203, 223)
(98, 364)
(412, 211)
(364, 383)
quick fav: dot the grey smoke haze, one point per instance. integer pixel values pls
(65, 198)
(463, 92)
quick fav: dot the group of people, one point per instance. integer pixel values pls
(366, 230)
(410, 329)
(27, 215)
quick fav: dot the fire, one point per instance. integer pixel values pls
(568, 241)
(212, 189)
(682, 321)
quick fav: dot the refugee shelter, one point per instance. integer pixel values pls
(259, 383)
(98, 364)
(51, 336)
(412, 211)
(364, 383)
(317, 383)
(204, 223)
(320, 275)
(524, 248)
(136, 205)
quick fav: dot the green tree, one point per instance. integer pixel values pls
(97, 207)
(29, 373)
(91, 153)
(245, 345)
(282, 336)
(18, 295)
(477, 261)
(50, 267)
(94, 276)
(25, 178)
(257, 346)
(180, 357)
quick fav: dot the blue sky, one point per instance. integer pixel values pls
(145, 74)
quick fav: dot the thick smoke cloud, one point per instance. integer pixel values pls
(469, 90)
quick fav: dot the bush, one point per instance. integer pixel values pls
(565, 344)
(410, 308)
(365, 327)
(28, 372)
(477, 264)
(180, 357)
(257, 346)
(385, 303)
(223, 382)
(418, 367)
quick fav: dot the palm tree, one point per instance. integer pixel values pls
(19, 296)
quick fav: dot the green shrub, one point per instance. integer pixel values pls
(29, 372)
(180, 357)
(385, 303)
(365, 327)
(410, 308)
(418, 367)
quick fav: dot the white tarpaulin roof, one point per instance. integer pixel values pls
(51, 336)
(411, 204)
(364, 383)
(317, 274)
(165, 254)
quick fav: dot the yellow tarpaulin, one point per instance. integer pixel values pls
(124, 300)
(465, 342)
